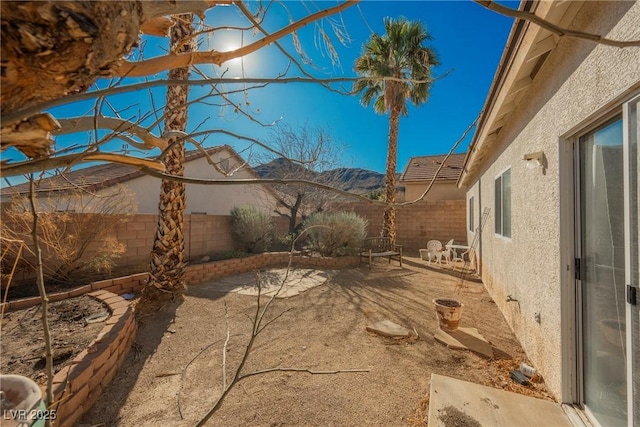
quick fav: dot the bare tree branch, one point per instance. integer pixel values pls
(309, 371)
(44, 299)
(37, 165)
(250, 181)
(84, 123)
(176, 60)
(15, 116)
(442, 164)
(531, 17)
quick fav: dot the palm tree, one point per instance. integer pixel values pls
(398, 69)
(167, 269)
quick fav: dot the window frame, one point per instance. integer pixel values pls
(471, 214)
(499, 206)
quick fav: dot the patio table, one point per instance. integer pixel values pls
(455, 247)
(465, 249)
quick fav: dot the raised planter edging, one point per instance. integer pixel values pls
(196, 273)
(77, 386)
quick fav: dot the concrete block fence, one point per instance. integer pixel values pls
(416, 224)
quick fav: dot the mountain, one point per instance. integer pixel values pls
(354, 180)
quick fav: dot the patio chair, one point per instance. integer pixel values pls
(433, 251)
(450, 254)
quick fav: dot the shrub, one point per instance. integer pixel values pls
(252, 229)
(335, 233)
(76, 232)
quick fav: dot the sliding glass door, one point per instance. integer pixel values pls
(607, 269)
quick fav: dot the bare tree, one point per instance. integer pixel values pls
(310, 154)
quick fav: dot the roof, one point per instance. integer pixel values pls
(100, 176)
(526, 51)
(423, 168)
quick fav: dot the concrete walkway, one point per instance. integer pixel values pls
(455, 402)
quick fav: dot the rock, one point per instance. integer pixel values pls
(387, 328)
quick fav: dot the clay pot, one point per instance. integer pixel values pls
(449, 312)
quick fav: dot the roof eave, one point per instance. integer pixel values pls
(527, 47)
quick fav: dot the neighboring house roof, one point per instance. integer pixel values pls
(424, 168)
(527, 48)
(102, 176)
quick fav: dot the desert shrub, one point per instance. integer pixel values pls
(335, 233)
(76, 233)
(252, 229)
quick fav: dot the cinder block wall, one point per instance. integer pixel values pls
(416, 224)
(209, 234)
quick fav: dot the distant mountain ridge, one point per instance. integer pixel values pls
(354, 180)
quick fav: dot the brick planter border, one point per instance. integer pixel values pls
(196, 273)
(77, 386)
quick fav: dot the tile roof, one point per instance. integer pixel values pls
(97, 177)
(423, 168)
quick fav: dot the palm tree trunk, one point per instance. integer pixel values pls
(389, 216)
(167, 269)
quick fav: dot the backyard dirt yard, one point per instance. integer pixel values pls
(173, 376)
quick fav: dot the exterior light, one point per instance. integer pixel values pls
(537, 159)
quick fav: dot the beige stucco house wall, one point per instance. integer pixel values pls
(545, 91)
(439, 191)
(209, 199)
(144, 190)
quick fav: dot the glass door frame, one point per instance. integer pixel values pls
(629, 113)
(623, 110)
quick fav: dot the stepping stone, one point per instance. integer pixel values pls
(389, 329)
(465, 339)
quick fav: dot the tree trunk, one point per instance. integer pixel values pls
(389, 216)
(293, 227)
(167, 270)
(54, 48)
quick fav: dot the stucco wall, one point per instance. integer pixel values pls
(212, 199)
(439, 191)
(578, 79)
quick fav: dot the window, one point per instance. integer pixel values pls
(224, 165)
(471, 225)
(503, 204)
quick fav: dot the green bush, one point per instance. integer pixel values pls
(252, 229)
(335, 233)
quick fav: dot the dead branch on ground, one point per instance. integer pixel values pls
(257, 328)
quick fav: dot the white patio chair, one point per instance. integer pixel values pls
(450, 253)
(433, 251)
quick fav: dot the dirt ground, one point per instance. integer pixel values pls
(175, 373)
(22, 341)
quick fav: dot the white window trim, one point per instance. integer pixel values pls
(471, 210)
(496, 235)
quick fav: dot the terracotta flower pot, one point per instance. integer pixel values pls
(449, 312)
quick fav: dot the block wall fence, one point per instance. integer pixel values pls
(416, 224)
(206, 235)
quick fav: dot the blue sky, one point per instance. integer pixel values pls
(468, 39)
